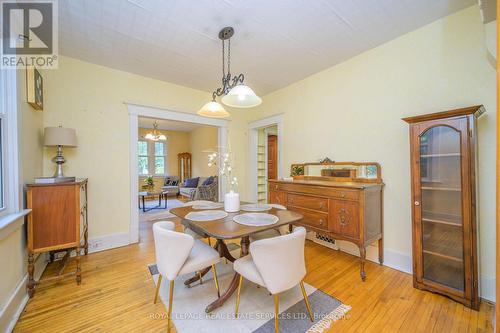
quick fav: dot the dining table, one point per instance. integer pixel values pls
(226, 229)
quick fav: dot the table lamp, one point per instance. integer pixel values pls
(59, 137)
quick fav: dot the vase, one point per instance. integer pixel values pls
(232, 202)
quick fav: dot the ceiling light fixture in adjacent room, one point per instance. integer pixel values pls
(155, 135)
(234, 92)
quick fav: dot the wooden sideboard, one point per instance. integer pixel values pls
(349, 211)
(58, 221)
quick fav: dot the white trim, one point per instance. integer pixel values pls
(19, 298)
(108, 242)
(253, 128)
(12, 222)
(12, 187)
(137, 110)
(159, 112)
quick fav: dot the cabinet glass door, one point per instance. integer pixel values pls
(441, 206)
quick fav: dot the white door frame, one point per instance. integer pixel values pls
(253, 136)
(138, 110)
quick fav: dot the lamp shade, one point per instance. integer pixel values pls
(59, 136)
(241, 96)
(214, 110)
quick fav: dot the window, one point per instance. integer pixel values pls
(9, 178)
(151, 157)
(2, 173)
(142, 151)
(159, 158)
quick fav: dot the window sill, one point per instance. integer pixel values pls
(11, 222)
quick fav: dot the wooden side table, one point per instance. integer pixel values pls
(58, 221)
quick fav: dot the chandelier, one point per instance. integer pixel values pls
(155, 135)
(234, 92)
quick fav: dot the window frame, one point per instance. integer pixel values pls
(9, 141)
(152, 157)
(147, 156)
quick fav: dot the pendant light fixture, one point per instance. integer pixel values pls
(234, 92)
(155, 135)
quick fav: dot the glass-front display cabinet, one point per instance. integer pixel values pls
(443, 157)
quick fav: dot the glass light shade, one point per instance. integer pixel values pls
(162, 137)
(213, 110)
(149, 136)
(241, 96)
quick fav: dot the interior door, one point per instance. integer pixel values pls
(272, 157)
(440, 164)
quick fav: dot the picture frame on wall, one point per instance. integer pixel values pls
(34, 88)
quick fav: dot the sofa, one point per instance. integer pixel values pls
(171, 185)
(202, 191)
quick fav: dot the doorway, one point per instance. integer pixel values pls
(265, 152)
(136, 112)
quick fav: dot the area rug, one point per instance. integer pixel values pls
(256, 307)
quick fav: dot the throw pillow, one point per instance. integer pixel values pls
(208, 181)
(192, 182)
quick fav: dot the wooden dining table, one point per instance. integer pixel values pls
(226, 229)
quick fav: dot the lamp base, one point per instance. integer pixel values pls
(59, 160)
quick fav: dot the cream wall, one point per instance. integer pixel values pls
(90, 98)
(202, 139)
(353, 111)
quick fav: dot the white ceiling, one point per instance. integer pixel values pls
(168, 125)
(276, 42)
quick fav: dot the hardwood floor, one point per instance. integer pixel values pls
(116, 295)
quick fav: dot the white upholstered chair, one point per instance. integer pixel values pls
(178, 254)
(277, 264)
(283, 230)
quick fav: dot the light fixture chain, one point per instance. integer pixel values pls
(229, 56)
(223, 60)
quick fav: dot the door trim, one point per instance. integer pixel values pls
(253, 128)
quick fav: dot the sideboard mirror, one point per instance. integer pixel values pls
(338, 171)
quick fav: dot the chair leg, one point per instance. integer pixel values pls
(200, 277)
(306, 300)
(276, 312)
(170, 301)
(158, 288)
(216, 281)
(209, 242)
(238, 296)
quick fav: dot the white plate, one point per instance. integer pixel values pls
(256, 219)
(206, 215)
(256, 207)
(210, 205)
(197, 202)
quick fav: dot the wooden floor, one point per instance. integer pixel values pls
(116, 295)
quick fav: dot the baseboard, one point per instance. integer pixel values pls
(487, 288)
(18, 300)
(108, 242)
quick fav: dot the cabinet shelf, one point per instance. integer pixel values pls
(441, 188)
(441, 155)
(444, 256)
(444, 219)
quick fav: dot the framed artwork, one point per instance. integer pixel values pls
(34, 88)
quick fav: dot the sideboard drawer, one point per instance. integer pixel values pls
(306, 201)
(345, 218)
(314, 219)
(277, 197)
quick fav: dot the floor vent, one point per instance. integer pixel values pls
(325, 241)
